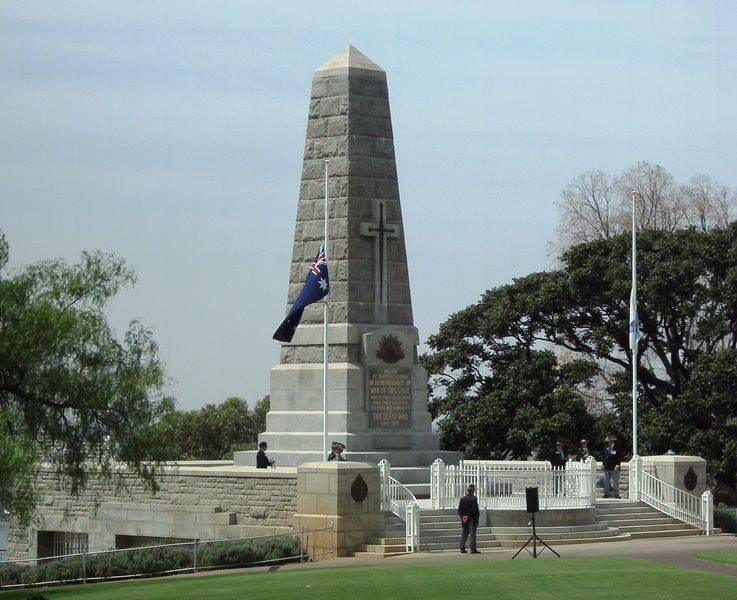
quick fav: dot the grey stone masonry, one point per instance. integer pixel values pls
(377, 389)
(204, 500)
(349, 123)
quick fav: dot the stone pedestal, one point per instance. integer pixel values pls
(687, 473)
(342, 499)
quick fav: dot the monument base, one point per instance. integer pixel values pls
(397, 459)
(377, 402)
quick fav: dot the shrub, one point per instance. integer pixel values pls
(158, 560)
(245, 552)
(11, 573)
(114, 564)
(726, 519)
(150, 561)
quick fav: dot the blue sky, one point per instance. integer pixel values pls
(172, 133)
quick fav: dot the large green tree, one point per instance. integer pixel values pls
(72, 393)
(213, 432)
(687, 300)
(509, 404)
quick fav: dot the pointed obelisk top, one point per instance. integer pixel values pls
(349, 58)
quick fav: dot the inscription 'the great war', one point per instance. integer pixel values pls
(390, 398)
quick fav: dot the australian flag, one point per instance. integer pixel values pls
(317, 286)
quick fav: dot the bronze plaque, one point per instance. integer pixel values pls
(690, 479)
(359, 489)
(390, 349)
(389, 398)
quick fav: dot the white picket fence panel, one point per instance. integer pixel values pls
(501, 484)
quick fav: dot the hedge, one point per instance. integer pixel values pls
(725, 518)
(150, 561)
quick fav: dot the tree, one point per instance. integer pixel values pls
(595, 206)
(518, 404)
(687, 302)
(213, 432)
(71, 392)
(259, 417)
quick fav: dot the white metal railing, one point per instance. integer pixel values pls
(501, 484)
(398, 499)
(668, 499)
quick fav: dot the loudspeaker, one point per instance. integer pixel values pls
(533, 501)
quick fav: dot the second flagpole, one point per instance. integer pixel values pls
(325, 338)
(633, 301)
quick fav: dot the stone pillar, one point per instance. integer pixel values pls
(344, 494)
(687, 473)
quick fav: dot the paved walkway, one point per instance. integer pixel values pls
(675, 551)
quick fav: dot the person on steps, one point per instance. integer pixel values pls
(468, 510)
(612, 463)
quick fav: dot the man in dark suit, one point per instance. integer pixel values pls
(612, 463)
(263, 461)
(557, 458)
(583, 452)
(336, 451)
(468, 510)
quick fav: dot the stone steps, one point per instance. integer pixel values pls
(640, 520)
(641, 528)
(590, 534)
(634, 519)
(440, 530)
(687, 530)
(553, 530)
(625, 510)
(567, 541)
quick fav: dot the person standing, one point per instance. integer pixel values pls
(557, 458)
(263, 461)
(468, 510)
(583, 452)
(336, 452)
(612, 463)
(557, 455)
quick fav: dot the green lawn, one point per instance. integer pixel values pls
(727, 557)
(566, 578)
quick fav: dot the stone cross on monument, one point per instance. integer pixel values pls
(381, 231)
(377, 389)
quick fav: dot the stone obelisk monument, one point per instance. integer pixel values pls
(377, 388)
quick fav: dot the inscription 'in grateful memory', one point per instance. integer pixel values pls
(390, 398)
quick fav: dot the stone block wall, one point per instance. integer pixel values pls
(259, 501)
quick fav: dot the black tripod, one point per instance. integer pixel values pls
(532, 507)
(534, 539)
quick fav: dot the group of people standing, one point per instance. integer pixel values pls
(611, 461)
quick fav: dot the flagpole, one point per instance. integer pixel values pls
(325, 337)
(637, 333)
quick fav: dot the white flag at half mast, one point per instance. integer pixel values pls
(634, 321)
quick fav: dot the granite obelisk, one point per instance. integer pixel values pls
(377, 388)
